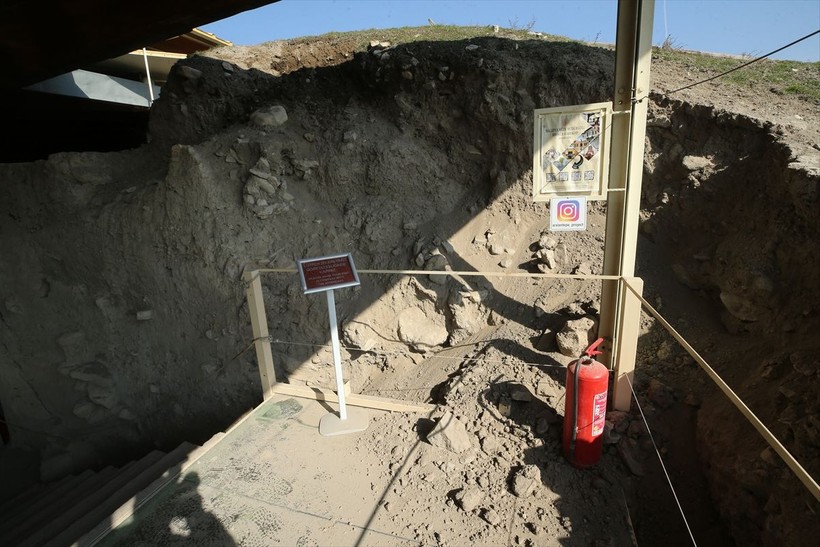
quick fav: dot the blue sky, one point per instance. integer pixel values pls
(739, 27)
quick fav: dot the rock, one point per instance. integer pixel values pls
(576, 336)
(636, 429)
(664, 351)
(692, 400)
(13, 304)
(259, 173)
(190, 73)
(496, 249)
(684, 277)
(695, 163)
(626, 449)
(350, 136)
(584, 268)
(468, 499)
(450, 434)
(437, 262)
(103, 395)
(768, 456)
(506, 263)
(467, 313)
(542, 425)
(93, 373)
(809, 431)
(561, 254)
(271, 116)
(610, 435)
(360, 336)
(505, 405)
(127, 415)
(144, 315)
(660, 394)
(547, 242)
(490, 516)
(471, 47)
(805, 363)
(520, 393)
(489, 444)
(547, 256)
(772, 369)
(525, 480)
(619, 420)
(84, 409)
(740, 307)
(305, 167)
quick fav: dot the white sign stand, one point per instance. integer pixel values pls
(325, 274)
(346, 422)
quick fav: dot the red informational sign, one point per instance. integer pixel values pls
(328, 272)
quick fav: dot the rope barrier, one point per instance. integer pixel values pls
(744, 64)
(437, 356)
(761, 428)
(666, 474)
(467, 274)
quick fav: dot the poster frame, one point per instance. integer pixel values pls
(541, 145)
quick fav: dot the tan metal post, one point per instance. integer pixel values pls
(633, 53)
(626, 344)
(259, 325)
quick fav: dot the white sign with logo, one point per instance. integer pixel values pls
(568, 214)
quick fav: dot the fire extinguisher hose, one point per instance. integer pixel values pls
(574, 410)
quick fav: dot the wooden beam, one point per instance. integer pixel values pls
(625, 349)
(367, 401)
(259, 324)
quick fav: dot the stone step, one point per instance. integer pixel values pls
(46, 495)
(71, 525)
(29, 523)
(128, 508)
(7, 510)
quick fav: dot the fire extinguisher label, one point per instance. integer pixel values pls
(598, 413)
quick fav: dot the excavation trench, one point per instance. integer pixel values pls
(125, 319)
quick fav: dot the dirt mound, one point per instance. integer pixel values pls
(124, 307)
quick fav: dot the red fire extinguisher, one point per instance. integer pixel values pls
(585, 408)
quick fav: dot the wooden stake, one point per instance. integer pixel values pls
(259, 324)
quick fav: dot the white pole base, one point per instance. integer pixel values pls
(358, 419)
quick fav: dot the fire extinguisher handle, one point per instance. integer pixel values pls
(592, 350)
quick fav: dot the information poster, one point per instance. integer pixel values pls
(570, 151)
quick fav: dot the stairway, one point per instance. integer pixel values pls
(81, 509)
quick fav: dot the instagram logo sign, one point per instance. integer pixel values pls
(568, 214)
(569, 210)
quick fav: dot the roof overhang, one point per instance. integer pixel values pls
(40, 39)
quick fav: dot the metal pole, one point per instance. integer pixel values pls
(633, 53)
(337, 355)
(148, 77)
